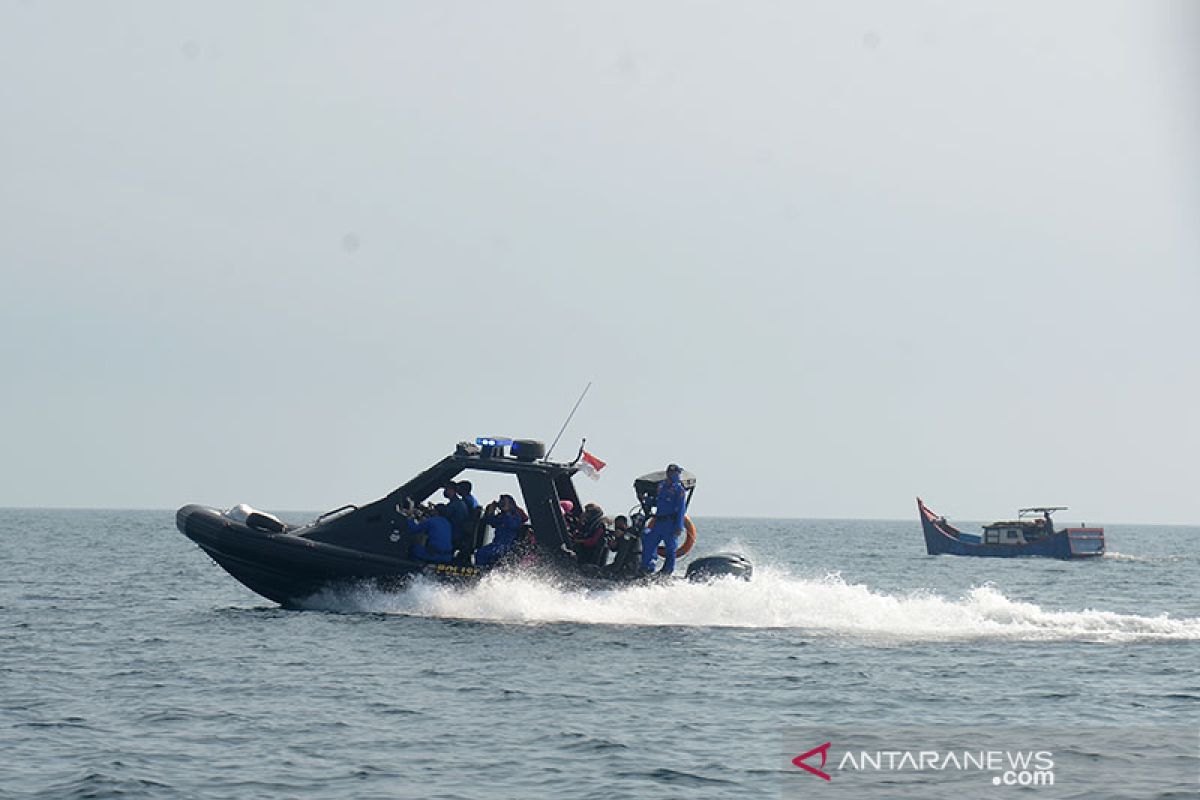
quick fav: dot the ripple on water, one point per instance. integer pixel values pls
(514, 688)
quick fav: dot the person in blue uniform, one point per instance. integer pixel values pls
(507, 519)
(670, 505)
(464, 491)
(456, 511)
(437, 546)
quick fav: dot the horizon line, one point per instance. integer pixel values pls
(914, 519)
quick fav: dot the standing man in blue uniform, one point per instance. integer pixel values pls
(670, 505)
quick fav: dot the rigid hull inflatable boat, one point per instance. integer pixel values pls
(354, 544)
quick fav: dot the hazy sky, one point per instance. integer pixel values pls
(828, 256)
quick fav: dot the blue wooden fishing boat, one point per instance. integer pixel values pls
(1031, 534)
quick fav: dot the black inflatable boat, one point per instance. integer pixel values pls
(354, 544)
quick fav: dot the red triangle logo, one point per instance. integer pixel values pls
(824, 751)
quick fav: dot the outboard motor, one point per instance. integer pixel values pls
(719, 565)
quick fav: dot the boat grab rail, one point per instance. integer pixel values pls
(348, 507)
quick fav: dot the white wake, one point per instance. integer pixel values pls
(823, 607)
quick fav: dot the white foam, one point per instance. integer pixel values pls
(1114, 556)
(774, 599)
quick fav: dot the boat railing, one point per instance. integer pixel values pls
(339, 510)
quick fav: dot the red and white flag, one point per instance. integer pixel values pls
(591, 466)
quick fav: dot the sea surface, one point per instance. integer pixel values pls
(132, 666)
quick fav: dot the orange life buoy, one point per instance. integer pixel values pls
(689, 538)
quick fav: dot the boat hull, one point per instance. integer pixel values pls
(941, 538)
(284, 567)
(292, 565)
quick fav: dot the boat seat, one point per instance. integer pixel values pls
(466, 540)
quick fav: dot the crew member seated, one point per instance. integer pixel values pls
(464, 491)
(588, 541)
(459, 515)
(507, 520)
(626, 547)
(436, 545)
(570, 516)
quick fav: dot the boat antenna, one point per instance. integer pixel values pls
(568, 422)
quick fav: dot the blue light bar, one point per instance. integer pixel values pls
(493, 441)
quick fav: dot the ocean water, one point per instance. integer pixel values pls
(132, 666)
